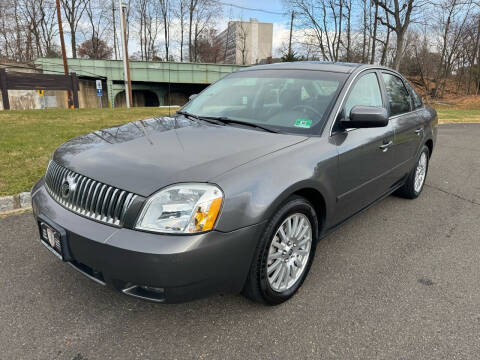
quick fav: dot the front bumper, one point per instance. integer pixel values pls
(185, 267)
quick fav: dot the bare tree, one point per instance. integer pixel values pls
(49, 29)
(95, 48)
(27, 29)
(165, 9)
(8, 30)
(180, 13)
(114, 30)
(209, 49)
(452, 20)
(32, 13)
(141, 6)
(374, 34)
(323, 24)
(73, 10)
(477, 52)
(148, 18)
(96, 13)
(401, 12)
(192, 7)
(201, 14)
(365, 27)
(242, 40)
(348, 42)
(386, 42)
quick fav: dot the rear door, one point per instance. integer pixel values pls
(364, 155)
(406, 121)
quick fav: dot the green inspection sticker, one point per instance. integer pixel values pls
(303, 123)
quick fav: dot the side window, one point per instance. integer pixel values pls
(417, 101)
(398, 96)
(365, 92)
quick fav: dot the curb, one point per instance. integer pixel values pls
(15, 202)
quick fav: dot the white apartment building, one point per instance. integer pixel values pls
(246, 42)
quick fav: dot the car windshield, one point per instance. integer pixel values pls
(285, 100)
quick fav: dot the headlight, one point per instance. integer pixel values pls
(182, 208)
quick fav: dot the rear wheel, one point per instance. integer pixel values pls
(416, 180)
(284, 254)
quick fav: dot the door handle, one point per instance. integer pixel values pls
(419, 131)
(385, 146)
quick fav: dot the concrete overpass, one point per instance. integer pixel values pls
(151, 81)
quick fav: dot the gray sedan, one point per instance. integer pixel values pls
(234, 191)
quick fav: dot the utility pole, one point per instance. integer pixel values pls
(126, 65)
(114, 30)
(290, 39)
(64, 54)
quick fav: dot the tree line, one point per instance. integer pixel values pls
(430, 40)
(29, 29)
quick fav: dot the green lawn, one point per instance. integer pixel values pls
(449, 114)
(28, 138)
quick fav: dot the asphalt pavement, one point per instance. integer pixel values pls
(399, 281)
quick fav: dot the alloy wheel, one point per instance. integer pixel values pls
(289, 252)
(420, 172)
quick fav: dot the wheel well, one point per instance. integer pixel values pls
(318, 203)
(429, 144)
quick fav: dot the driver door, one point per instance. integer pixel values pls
(365, 157)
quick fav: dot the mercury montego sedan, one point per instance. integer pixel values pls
(233, 192)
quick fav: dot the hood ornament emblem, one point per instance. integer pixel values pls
(68, 187)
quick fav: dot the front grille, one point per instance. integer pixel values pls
(86, 196)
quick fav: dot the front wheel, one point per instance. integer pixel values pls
(284, 254)
(416, 180)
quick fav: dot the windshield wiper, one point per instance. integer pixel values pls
(187, 114)
(198, 118)
(227, 120)
(222, 120)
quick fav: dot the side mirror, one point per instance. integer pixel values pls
(191, 97)
(366, 117)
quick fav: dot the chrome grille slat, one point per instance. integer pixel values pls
(126, 204)
(99, 200)
(93, 185)
(56, 178)
(76, 195)
(103, 211)
(82, 191)
(116, 213)
(111, 203)
(89, 197)
(86, 192)
(94, 198)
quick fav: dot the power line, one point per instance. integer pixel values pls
(217, 1)
(251, 9)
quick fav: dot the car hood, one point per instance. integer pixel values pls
(144, 156)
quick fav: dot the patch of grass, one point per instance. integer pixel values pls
(453, 114)
(28, 138)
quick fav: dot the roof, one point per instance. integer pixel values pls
(341, 67)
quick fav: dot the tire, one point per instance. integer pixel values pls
(260, 285)
(409, 190)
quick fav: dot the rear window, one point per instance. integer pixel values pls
(398, 96)
(417, 101)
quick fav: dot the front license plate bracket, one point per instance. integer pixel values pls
(54, 237)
